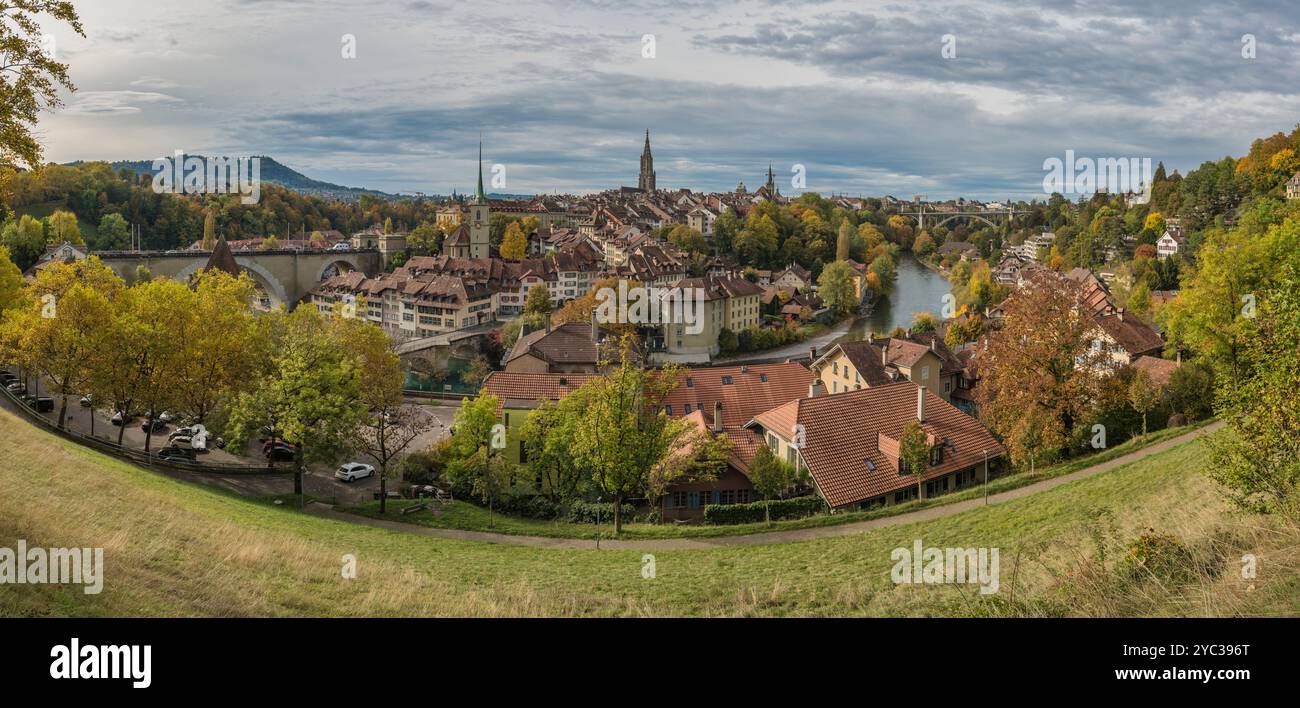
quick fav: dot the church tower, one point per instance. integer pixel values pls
(646, 182)
(479, 213)
(771, 183)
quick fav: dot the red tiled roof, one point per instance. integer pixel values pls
(753, 389)
(529, 388)
(844, 432)
(1159, 370)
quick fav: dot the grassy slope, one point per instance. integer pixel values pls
(470, 517)
(173, 548)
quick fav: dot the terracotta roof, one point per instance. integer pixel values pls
(570, 343)
(1159, 370)
(752, 389)
(844, 433)
(522, 389)
(1129, 331)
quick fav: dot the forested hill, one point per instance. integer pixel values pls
(273, 172)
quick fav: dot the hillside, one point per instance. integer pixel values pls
(274, 172)
(177, 549)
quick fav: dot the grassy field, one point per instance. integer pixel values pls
(177, 549)
(471, 517)
(89, 231)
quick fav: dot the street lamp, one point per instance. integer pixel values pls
(986, 477)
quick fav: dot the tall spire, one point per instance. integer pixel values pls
(646, 181)
(479, 196)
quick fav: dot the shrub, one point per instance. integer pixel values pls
(586, 512)
(1157, 554)
(794, 508)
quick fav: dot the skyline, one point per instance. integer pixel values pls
(858, 94)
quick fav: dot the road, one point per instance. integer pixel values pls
(773, 537)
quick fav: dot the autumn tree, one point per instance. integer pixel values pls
(388, 426)
(1041, 359)
(514, 245)
(1143, 395)
(537, 305)
(30, 77)
(220, 353)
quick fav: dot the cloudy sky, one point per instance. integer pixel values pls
(859, 93)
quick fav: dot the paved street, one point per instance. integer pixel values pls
(319, 480)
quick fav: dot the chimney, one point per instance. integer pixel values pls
(920, 404)
(816, 388)
(1178, 357)
(812, 355)
(884, 353)
(934, 342)
(744, 369)
(717, 416)
(1120, 314)
(595, 329)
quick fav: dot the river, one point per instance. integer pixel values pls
(917, 288)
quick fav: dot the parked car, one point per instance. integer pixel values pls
(153, 426)
(86, 401)
(279, 451)
(7, 377)
(187, 431)
(353, 471)
(44, 404)
(118, 419)
(342, 246)
(17, 387)
(176, 453)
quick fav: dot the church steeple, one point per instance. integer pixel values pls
(646, 182)
(771, 182)
(479, 196)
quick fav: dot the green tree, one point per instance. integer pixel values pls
(1257, 460)
(25, 239)
(625, 435)
(771, 476)
(389, 425)
(836, 288)
(547, 434)
(64, 227)
(923, 245)
(1143, 395)
(914, 452)
(11, 283)
(1191, 391)
(924, 322)
(32, 77)
(537, 305)
(305, 390)
(114, 234)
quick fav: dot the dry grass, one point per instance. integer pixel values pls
(177, 549)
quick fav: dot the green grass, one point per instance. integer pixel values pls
(471, 517)
(89, 231)
(179, 549)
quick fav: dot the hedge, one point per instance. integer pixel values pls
(795, 508)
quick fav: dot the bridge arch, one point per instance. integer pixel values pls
(261, 276)
(338, 266)
(971, 216)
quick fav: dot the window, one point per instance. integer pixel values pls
(790, 454)
(690, 382)
(904, 495)
(947, 386)
(668, 410)
(925, 373)
(726, 380)
(706, 498)
(688, 409)
(836, 368)
(677, 500)
(727, 496)
(742, 496)
(936, 455)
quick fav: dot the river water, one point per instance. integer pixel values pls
(916, 289)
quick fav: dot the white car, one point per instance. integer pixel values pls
(188, 431)
(344, 246)
(353, 471)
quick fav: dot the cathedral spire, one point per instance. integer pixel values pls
(646, 182)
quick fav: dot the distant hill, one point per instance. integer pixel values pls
(274, 172)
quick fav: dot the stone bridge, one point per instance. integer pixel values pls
(285, 276)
